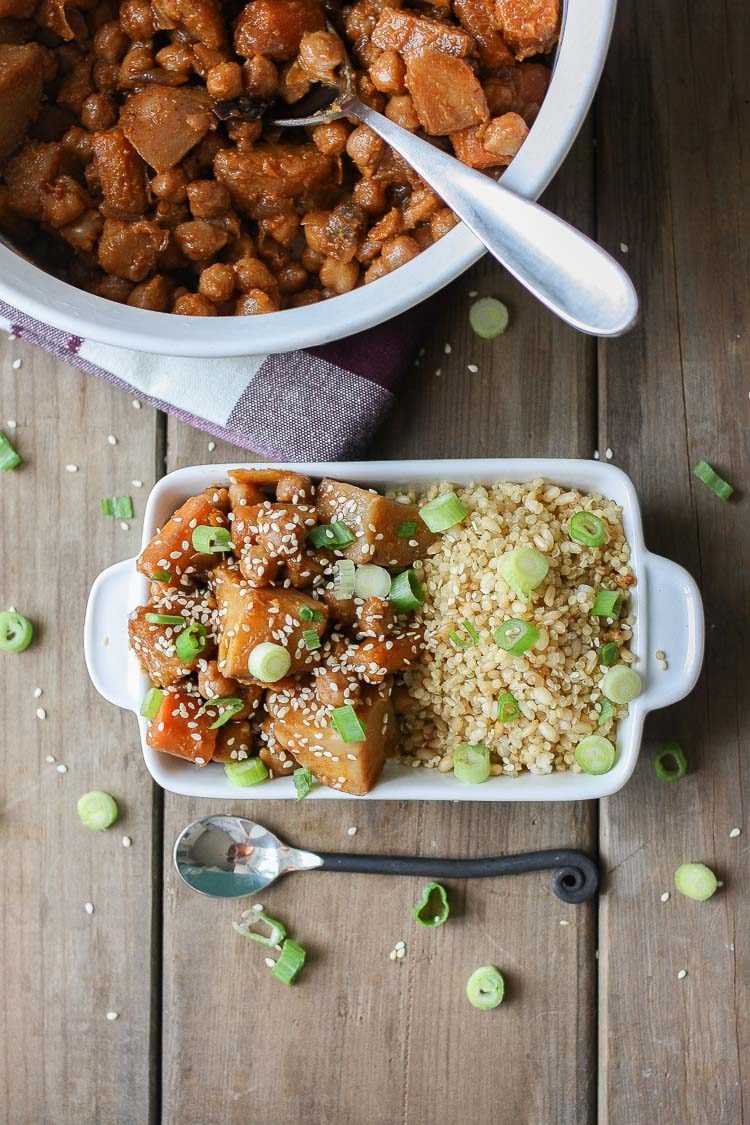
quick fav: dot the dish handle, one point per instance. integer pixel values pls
(676, 628)
(105, 635)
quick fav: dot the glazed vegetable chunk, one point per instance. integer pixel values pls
(121, 174)
(234, 742)
(163, 123)
(182, 727)
(154, 645)
(252, 616)
(405, 31)
(271, 170)
(172, 549)
(274, 28)
(446, 93)
(21, 83)
(387, 533)
(529, 27)
(479, 19)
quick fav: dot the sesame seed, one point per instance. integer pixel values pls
(51, 759)
(401, 953)
(392, 955)
(472, 367)
(137, 483)
(352, 831)
(399, 945)
(665, 897)
(211, 446)
(37, 692)
(16, 364)
(682, 974)
(111, 1016)
(270, 962)
(41, 713)
(124, 525)
(11, 423)
(473, 293)
(735, 833)
(564, 922)
(609, 454)
(62, 769)
(624, 247)
(126, 841)
(447, 349)
(88, 907)
(111, 439)
(136, 404)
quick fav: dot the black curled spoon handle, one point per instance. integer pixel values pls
(575, 878)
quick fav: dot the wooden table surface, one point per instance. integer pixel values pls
(597, 1024)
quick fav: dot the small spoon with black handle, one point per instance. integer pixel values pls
(231, 857)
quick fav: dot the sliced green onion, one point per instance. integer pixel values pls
(303, 782)
(276, 930)
(516, 636)
(164, 619)
(606, 711)
(227, 706)
(588, 529)
(608, 654)
(485, 988)
(622, 684)
(335, 536)
(696, 881)
(670, 752)
(372, 581)
(289, 965)
(524, 569)
(346, 724)
(407, 529)
(269, 662)
(595, 754)
(507, 708)
(710, 477)
(607, 603)
(121, 507)
(152, 701)
(344, 573)
(406, 592)
(249, 772)
(443, 512)
(9, 458)
(307, 613)
(209, 540)
(161, 576)
(97, 810)
(472, 636)
(16, 631)
(471, 764)
(191, 642)
(311, 639)
(488, 317)
(433, 907)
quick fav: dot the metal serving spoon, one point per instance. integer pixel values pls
(231, 857)
(563, 268)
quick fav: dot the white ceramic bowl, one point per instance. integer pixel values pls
(666, 603)
(580, 56)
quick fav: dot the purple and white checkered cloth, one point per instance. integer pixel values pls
(318, 405)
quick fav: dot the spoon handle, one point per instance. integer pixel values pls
(575, 878)
(563, 268)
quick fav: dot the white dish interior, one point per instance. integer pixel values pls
(666, 603)
(587, 27)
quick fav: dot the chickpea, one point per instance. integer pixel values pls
(441, 222)
(369, 94)
(208, 199)
(252, 275)
(193, 304)
(365, 148)
(292, 278)
(260, 77)
(255, 303)
(170, 185)
(311, 259)
(306, 297)
(340, 277)
(293, 83)
(110, 42)
(79, 144)
(153, 294)
(199, 240)
(422, 206)
(98, 112)
(217, 282)
(398, 251)
(106, 76)
(375, 271)
(113, 288)
(320, 53)
(401, 111)
(371, 196)
(225, 80)
(331, 137)
(176, 57)
(315, 225)
(388, 73)
(242, 247)
(244, 133)
(136, 20)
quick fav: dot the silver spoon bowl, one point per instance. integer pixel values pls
(231, 857)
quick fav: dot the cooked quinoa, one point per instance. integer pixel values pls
(557, 683)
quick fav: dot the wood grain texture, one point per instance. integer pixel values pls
(364, 1040)
(62, 970)
(673, 186)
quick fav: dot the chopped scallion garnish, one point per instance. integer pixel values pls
(407, 529)
(670, 752)
(246, 773)
(488, 317)
(161, 576)
(311, 639)
(485, 988)
(588, 529)
(303, 782)
(606, 711)
(622, 684)
(595, 754)
(276, 930)
(97, 810)
(710, 477)
(152, 701)
(9, 458)
(345, 722)
(516, 636)
(120, 507)
(608, 654)
(371, 581)
(191, 642)
(471, 764)
(523, 569)
(165, 619)
(307, 613)
(464, 642)
(289, 964)
(16, 631)
(696, 881)
(210, 540)
(269, 662)
(443, 512)
(406, 592)
(507, 708)
(607, 603)
(334, 536)
(227, 706)
(433, 907)
(344, 574)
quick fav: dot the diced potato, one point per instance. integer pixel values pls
(154, 646)
(278, 762)
(172, 549)
(163, 123)
(353, 767)
(529, 27)
(250, 616)
(375, 521)
(234, 741)
(374, 660)
(404, 31)
(446, 92)
(182, 729)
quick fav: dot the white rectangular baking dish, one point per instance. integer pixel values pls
(666, 603)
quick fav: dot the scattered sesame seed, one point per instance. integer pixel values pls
(596, 454)
(37, 692)
(62, 769)
(472, 367)
(624, 247)
(682, 974)
(269, 961)
(50, 759)
(258, 906)
(609, 454)
(16, 364)
(111, 439)
(112, 1016)
(11, 423)
(124, 525)
(71, 468)
(352, 831)
(41, 713)
(88, 907)
(735, 833)
(126, 841)
(137, 483)
(665, 897)
(473, 292)
(401, 953)
(660, 655)
(211, 446)
(564, 922)
(392, 955)
(399, 945)
(136, 404)
(447, 349)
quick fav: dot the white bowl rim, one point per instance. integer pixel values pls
(580, 58)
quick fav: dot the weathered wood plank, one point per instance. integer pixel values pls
(62, 969)
(673, 186)
(363, 1039)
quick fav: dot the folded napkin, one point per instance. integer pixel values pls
(317, 405)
